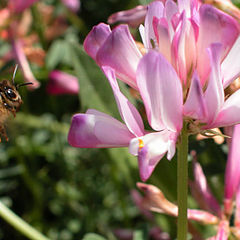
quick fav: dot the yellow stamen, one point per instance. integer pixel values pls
(141, 144)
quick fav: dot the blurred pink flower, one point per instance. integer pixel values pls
(73, 5)
(208, 202)
(232, 176)
(24, 65)
(18, 6)
(154, 200)
(62, 83)
(201, 191)
(181, 77)
(133, 17)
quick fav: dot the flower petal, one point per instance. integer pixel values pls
(225, 32)
(170, 10)
(23, 62)
(128, 112)
(230, 112)
(20, 5)
(237, 213)
(232, 175)
(230, 66)
(96, 38)
(150, 149)
(160, 27)
(195, 106)
(62, 83)
(178, 47)
(205, 195)
(155, 9)
(73, 5)
(214, 94)
(161, 92)
(120, 52)
(97, 130)
(184, 5)
(223, 231)
(133, 17)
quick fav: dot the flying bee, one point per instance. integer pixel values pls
(10, 101)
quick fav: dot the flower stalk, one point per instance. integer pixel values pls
(19, 224)
(182, 183)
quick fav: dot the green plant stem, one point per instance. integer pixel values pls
(19, 224)
(182, 184)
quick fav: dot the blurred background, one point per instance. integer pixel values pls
(62, 191)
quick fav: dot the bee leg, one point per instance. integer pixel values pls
(3, 133)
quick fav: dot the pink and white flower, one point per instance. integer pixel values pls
(182, 77)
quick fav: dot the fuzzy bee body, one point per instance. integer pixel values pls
(10, 101)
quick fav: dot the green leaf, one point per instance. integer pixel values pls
(144, 2)
(95, 91)
(93, 236)
(140, 234)
(59, 52)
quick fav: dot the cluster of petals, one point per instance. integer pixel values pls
(190, 58)
(226, 219)
(206, 200)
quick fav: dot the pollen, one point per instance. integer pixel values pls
(141, 144)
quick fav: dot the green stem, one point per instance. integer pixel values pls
(20, 224)
(182, 184)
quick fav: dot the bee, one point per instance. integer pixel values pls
(10, 101)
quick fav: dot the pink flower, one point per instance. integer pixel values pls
(181, 77)
(133, 17)
(73, 5)
(207, 201)
(24, 65)
(62, 83)
(20, 5)
(232, 176)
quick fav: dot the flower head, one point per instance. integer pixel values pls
(181, 77)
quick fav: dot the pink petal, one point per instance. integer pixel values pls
(120, 52)
(178, 47)
(214, 94)
(155, 9)
(223, 231)
(23, 62)
(201, 216)
(237, 213)
(20, 5)
(97, 130)
(160, 27)
(170, 10)
(204, 190)
(132, 17)
(161, 92)
(230, 112)
(62, 83)
(232, 175)
(225, 32)
(184, 5)
(73, 5)
(150, 149)
(96, 38)
(195, 106)
(128, 112)
(230, 67)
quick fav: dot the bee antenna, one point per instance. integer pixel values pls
(14, 73)
(23, 84)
